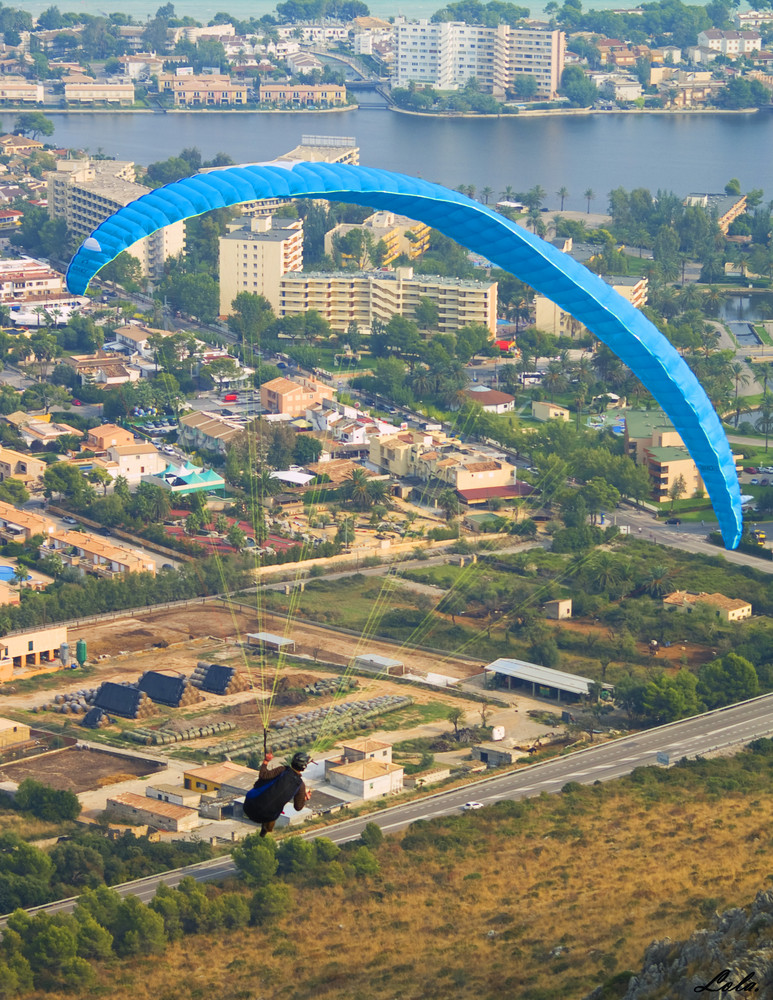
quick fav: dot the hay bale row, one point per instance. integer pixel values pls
(305, 729)
(163, 737)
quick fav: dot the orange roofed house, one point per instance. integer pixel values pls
(728, 609)
(291, 397)
(107, 436)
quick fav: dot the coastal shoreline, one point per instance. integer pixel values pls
(546, 113)
(578, 112)
(186, 111)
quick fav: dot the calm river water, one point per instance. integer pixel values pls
(677, 152)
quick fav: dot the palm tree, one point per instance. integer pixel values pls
(20, 574)
(713, 299)
(657, 582)
(563, 194)
(765, 419)
(589, 195)
(690, 297)
(606, 572)
(740, 377)
(355, 489)
(486, 193)
(508, 194)
(535, 196)
(266, 485)
(554, 380)
(421, 382)
(448, 502)
(534, 218)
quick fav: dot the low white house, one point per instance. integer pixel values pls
(136, 460)
(367, 779)
(492, 400)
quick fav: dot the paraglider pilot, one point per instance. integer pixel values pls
(274, 788)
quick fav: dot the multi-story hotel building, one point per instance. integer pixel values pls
(86, 192)
(345, 297)
(254, 255)
(399, 234)
(446, 55)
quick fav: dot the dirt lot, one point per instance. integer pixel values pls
(132, 634)
(142, 631)
(76, 770)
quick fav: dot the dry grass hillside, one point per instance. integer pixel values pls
(526, 901)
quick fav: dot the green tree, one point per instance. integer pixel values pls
(236, 537)
(578, 87)
(125, 270)
(524, 87)
(455, 715)
(372, 835)
(364, 863)
(676, 490)
(269, 903)
(100, 477)
(251, 317)
(137, 930)
(667, 698)
(426, 313)
(255, 857)
(727, 680)
(307, 449)
(33, 124)
(295, 856)
(45, 802)
(64, 480)
(453, 603)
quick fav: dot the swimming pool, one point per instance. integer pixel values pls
(6, 574)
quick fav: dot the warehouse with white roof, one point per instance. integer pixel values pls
(544, 682)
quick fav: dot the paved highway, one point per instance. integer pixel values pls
(724, 727)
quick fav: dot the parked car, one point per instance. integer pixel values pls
(77, 402)
(765, 482)
(766, 469)
(70, 520)
(754, 482)
(751, 470)
(673, 520)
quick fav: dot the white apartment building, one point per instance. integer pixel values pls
(254, 255)
(86, 90)
(447, 54)
(86, 192)
(730, 43)
(360, 297)
(752, 18)
(17, 90)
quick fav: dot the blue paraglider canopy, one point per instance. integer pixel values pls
(636, 341)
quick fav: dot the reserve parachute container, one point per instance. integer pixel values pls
(584, 295)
